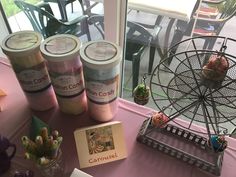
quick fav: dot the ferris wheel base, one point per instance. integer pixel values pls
(183, 145)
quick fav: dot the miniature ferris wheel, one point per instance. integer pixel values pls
(195, 97)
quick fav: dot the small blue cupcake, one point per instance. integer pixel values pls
(218, 143)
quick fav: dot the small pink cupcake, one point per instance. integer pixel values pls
(159, 120)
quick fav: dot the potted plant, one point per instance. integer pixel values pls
(141, 93)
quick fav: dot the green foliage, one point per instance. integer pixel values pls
(11, 9)
(141, 90)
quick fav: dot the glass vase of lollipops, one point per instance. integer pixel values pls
(45, 152)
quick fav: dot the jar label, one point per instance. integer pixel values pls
(33, 79)
(102, 92)
(68, 84)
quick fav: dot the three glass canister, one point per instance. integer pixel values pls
(82, 77)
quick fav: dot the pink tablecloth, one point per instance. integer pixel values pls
(142, 161)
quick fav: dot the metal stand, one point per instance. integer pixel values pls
(170, 141)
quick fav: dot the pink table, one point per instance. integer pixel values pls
(141, 161)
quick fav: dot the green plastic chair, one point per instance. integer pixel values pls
(44, 22)
(137, 39)
(62, 7)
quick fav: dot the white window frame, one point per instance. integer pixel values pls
(115, 14)
(115, 23)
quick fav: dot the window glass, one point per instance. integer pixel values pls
(65, 10)
(158, 25)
